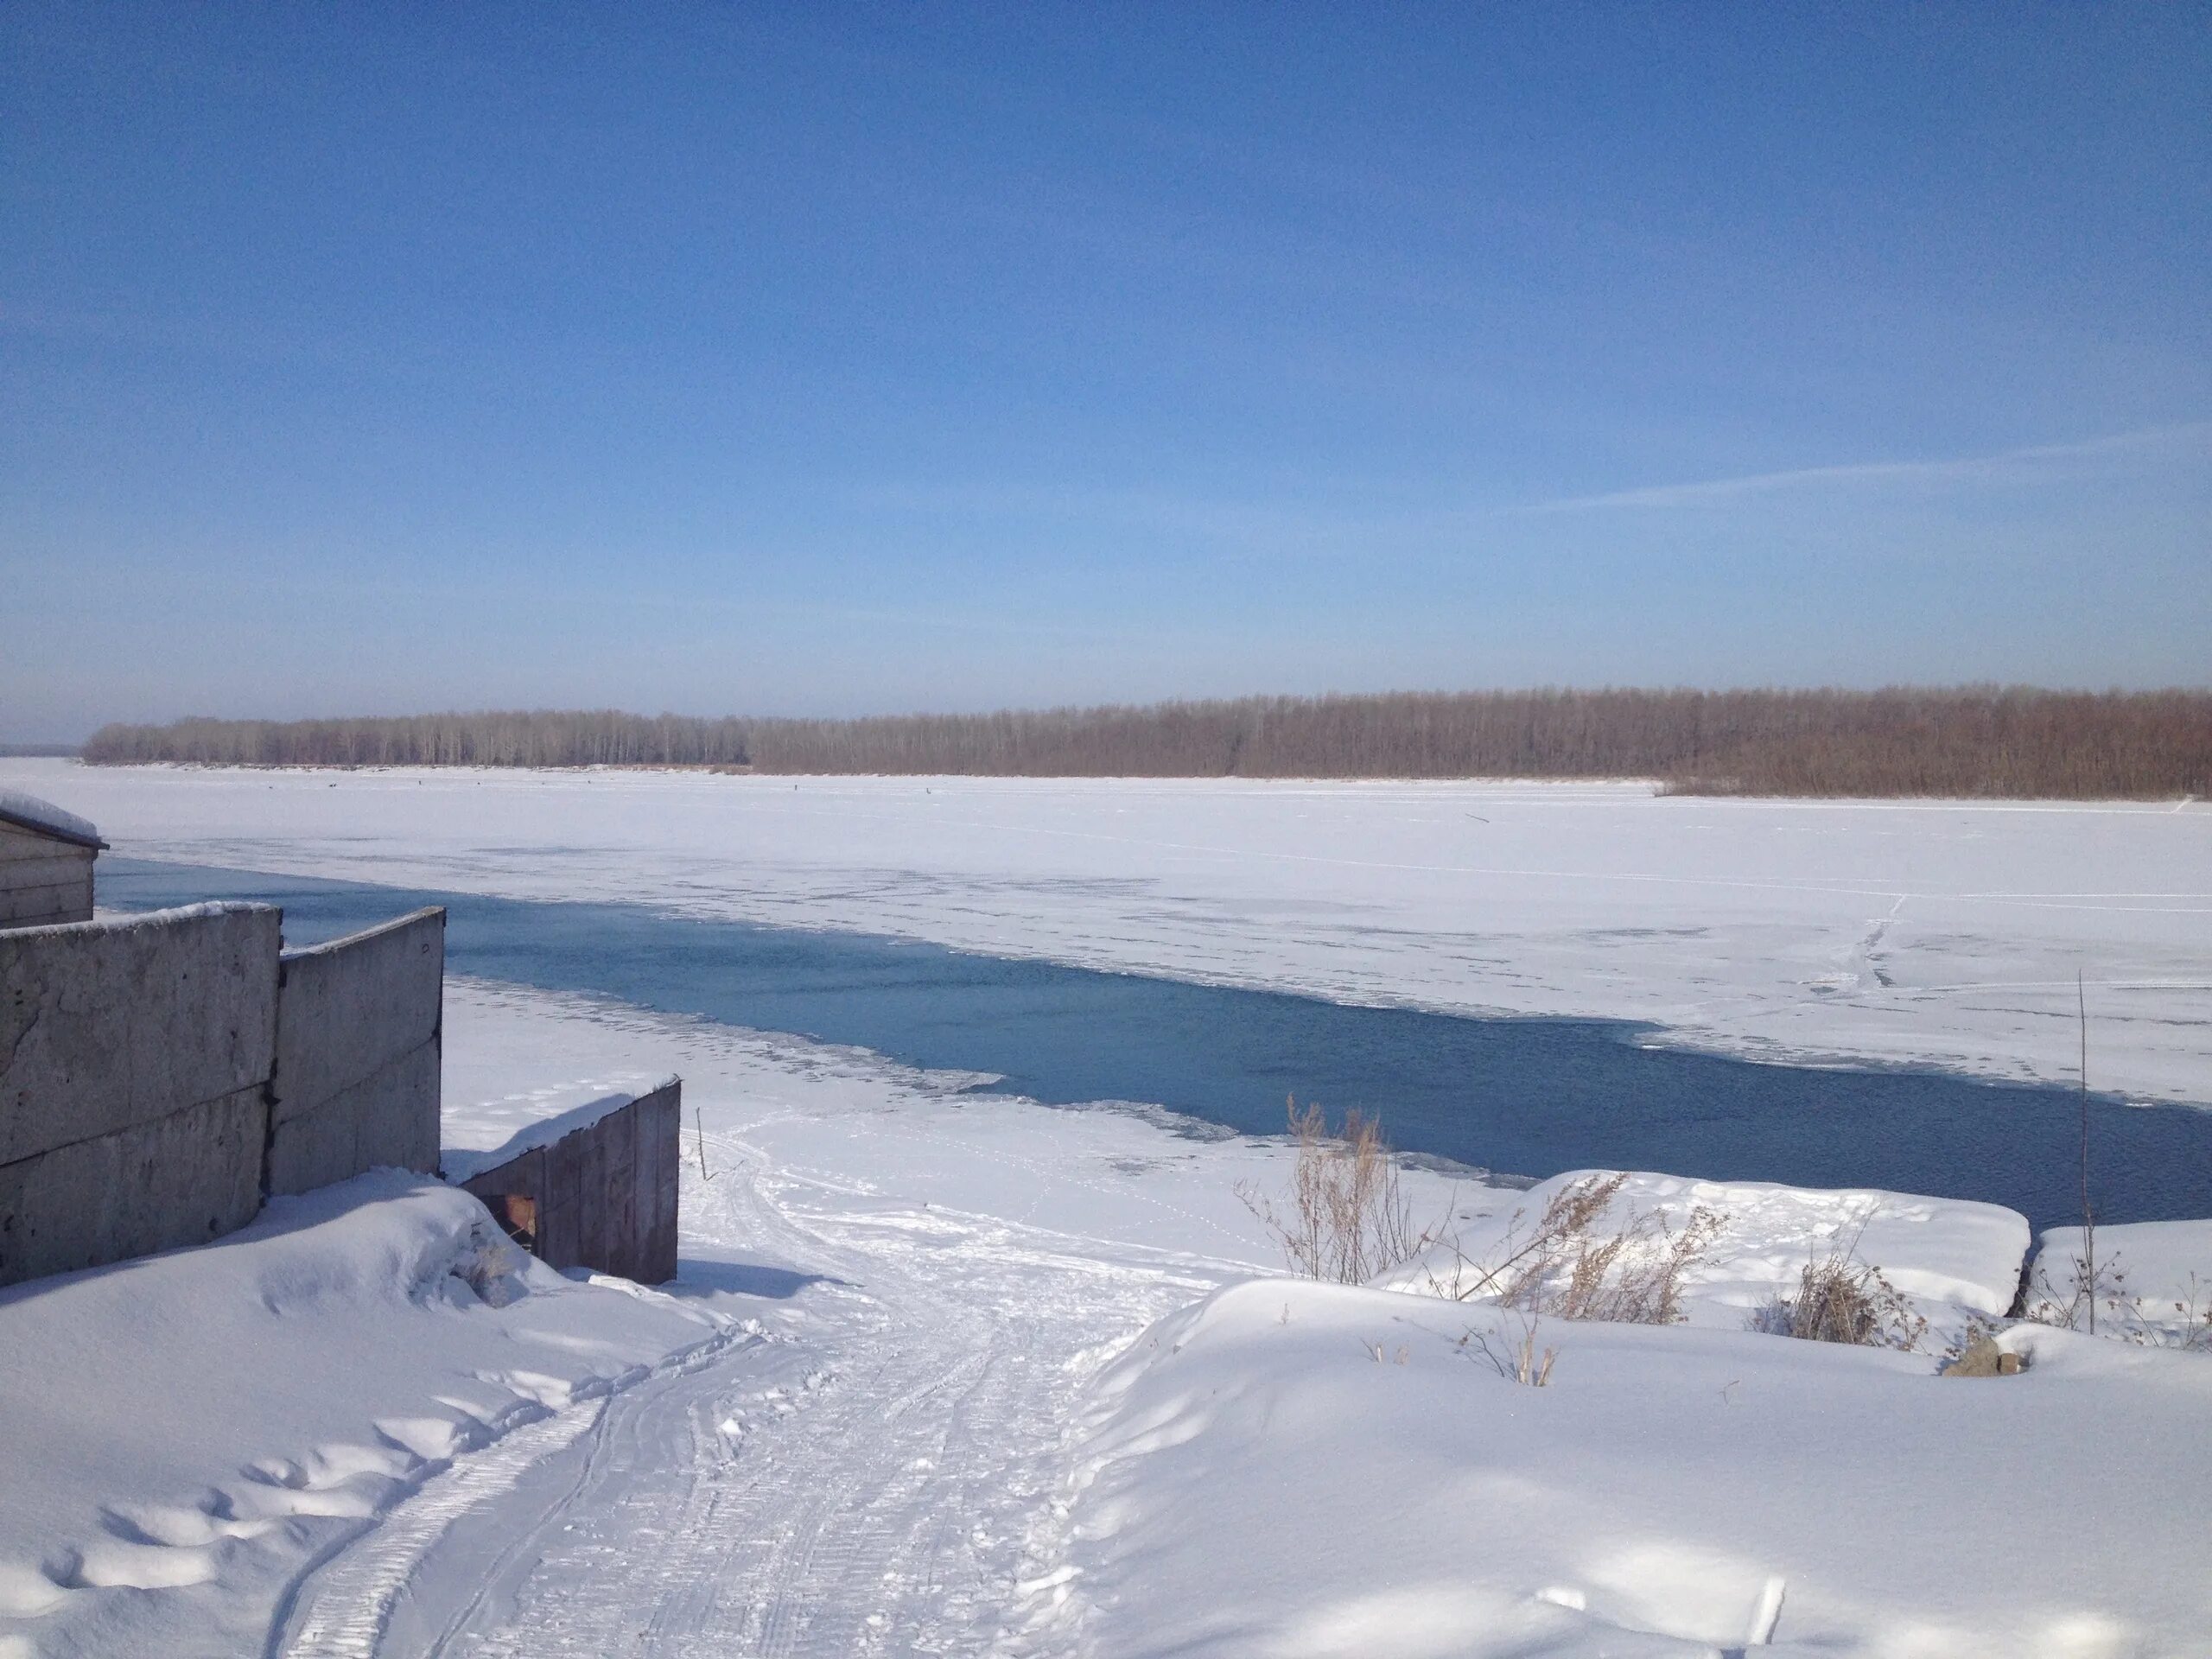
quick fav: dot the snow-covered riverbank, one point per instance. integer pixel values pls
(840, 1426)
(962, 1375)
(1945, 932)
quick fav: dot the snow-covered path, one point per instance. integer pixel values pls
(875, 1473)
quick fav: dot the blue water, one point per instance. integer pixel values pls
(1529, 1096)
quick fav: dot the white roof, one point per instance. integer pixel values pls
(30, 812)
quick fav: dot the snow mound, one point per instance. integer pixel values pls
(2153, 1280)
(1953, 1259)
(1302, 1470)
(186, 1432)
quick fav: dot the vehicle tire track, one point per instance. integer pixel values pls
(867, 1481)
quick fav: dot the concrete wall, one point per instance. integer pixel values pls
(135, 1057)
(43, 879)
(357, 1055)
(160, 1075)
(602, 1197)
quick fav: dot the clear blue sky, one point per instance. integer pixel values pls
(832, 360)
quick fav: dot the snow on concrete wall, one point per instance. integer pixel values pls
(160, 1075)
(603, 1196)
(134, 1060)
(357, 1055)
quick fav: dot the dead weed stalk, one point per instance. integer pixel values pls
(1517, 1362)
(1566, 1268)
(1346, 1217)
(1843, 1297)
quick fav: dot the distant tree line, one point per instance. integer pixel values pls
(541, 737)
(1974, 741)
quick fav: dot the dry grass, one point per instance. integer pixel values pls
(1842, 1299)
(1566, 1267)
(1346, 1217)
(2091, 1285)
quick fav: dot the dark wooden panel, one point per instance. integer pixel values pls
(618, 1139)
(604, 1197)
(561, 1219)
(591, 1242)
(660, 1167)
(36, 906)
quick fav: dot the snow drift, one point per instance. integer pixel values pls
(187, 1431)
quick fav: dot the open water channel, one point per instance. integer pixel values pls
(1529, 1097)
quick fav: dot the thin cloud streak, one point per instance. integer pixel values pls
(1973, 469)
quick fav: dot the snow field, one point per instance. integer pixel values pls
(929, 1281)
(1295, 1469)
(962, 1375)
(1918, 932)
(2153, 1280)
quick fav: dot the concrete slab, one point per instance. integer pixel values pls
(390, 1118)
(184, 1179)
(348, 1008)
(106, 1024)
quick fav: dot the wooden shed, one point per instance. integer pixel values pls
(46, 863)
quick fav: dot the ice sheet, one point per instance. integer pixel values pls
(1944, 933)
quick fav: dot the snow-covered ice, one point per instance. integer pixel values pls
(1943, 932)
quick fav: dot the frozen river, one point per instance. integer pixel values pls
(1526, 1097)
(1943, 933)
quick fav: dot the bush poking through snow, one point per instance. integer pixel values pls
(2090, 1285)
(1346, 1218)
(2101, 1289)
(1842, 1299)
(1517, 1362)
(1569, 1267)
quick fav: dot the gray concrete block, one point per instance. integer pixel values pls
(106, 1024)
(184, 1179)
(389, 1119)
(349, 1008)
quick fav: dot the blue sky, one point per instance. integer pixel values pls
(837, 359)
